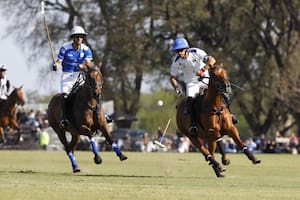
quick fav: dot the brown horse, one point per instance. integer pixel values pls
(214, 120)
(8, 117)
(85, 114)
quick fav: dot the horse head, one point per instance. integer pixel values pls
(18, 96)
(94, 81)
(219, 77)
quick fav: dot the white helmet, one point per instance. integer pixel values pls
(77, 30)
(3, 68)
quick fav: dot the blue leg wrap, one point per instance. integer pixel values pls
(72, 159)
(94, 146)
(116, 149)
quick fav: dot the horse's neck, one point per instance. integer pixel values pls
(213, 97)
(85, 95)
(11, 102)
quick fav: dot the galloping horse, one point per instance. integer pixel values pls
(85, 114)
(8, 117)
(214, 120)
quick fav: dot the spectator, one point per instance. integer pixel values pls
(184, 145)
(293, 144)
(229, 145)
(251, 145)
(159, 133)
(270, 146)
(147, 146)
(125, 142)
(43, 138)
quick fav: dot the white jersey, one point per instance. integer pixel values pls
(3, 88)
(187, 68)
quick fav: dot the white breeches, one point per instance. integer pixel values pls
(68, 79)
(192, 89)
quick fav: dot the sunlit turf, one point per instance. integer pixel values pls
(48, 175)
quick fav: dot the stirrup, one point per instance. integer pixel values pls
(63, 123)
(193, 130)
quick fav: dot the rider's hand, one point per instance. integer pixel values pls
(82, 67)
(54, 67)
(178, 90)
(200, 72)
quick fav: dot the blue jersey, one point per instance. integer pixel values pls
(71, 57)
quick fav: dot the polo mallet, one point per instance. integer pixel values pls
(47, 30)
(159, 143)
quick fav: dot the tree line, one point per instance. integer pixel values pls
(256, 40)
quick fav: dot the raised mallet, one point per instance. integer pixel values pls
(47, 30)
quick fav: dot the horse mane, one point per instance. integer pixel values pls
(216, 65)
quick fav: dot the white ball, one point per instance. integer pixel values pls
(160, 103)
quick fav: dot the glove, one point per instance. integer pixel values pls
(178, 90)
(200, 72)
(54, 67)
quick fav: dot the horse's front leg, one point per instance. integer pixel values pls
(235, 136)
(70, 151)
(214, 141)
(216, 138)
(85, 130)
(97, 157)
(106, 133)
(198, 142)
(220, 145)
(2, 135)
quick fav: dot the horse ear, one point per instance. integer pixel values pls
(21, 86)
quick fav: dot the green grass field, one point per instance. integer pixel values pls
(47, 175)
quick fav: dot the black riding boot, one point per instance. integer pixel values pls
(193, 130)
(64, 122)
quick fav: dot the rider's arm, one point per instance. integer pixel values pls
(209, 62)
(88, 63)
(173, 81)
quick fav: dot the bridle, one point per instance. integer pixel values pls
(94, 86)
(222, 84)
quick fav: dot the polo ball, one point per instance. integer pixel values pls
(160, 103)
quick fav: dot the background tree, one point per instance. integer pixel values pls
(258, 41)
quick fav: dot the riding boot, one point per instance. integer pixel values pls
(193, 130)
(64, 122)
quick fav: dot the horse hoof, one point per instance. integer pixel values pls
(123, 157)
(97, 160)
(226, 162)
(220, 175)
(218, 171)
(221, 169)
(256, 162)
(75, 170)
